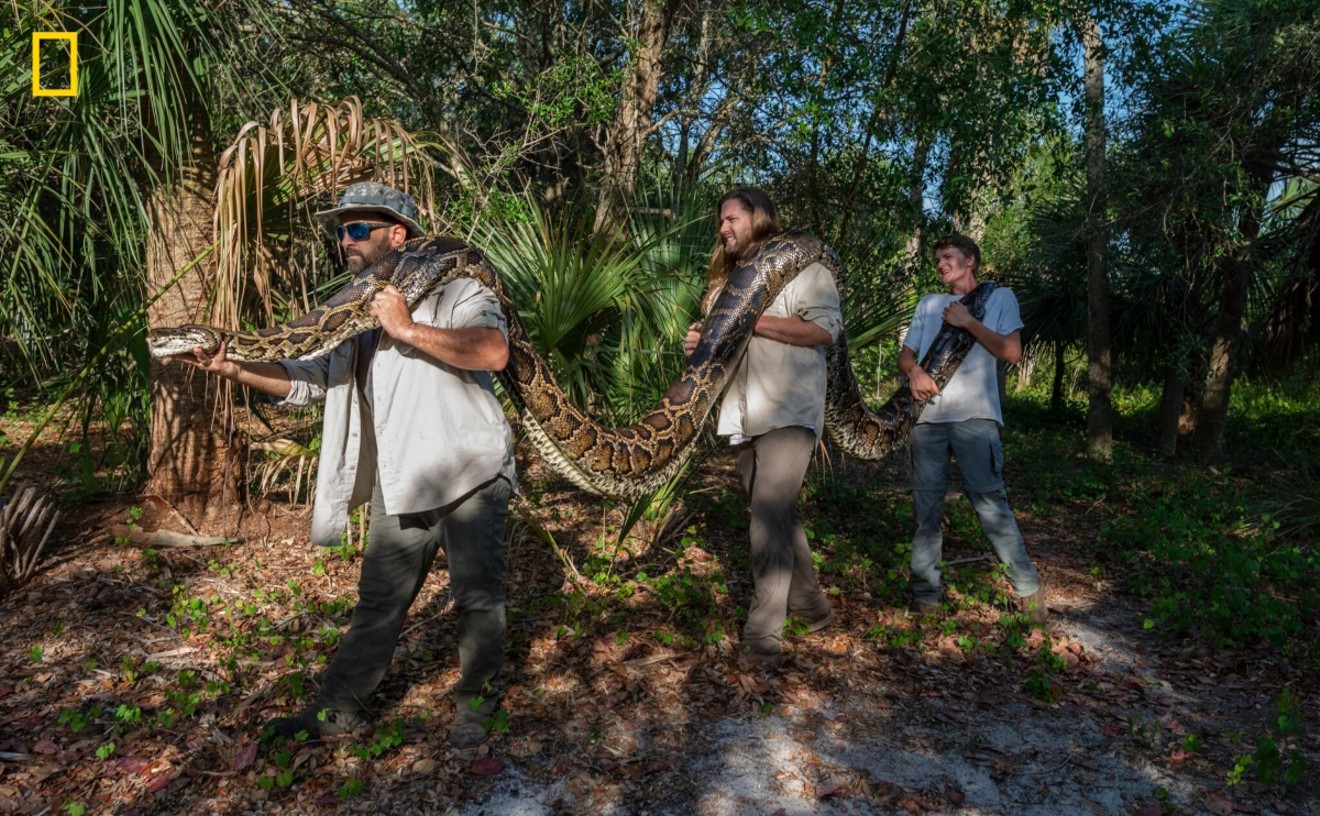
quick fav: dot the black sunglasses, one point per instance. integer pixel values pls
(359, 230)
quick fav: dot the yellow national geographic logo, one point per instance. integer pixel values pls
(37, 37)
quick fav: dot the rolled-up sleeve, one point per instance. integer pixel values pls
(470, 306)
(307, 380)
(816, 299)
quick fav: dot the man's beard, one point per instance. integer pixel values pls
(358, 261)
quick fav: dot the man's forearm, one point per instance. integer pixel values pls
(1006, 347)
(269, 378)
(907, 360)
(792, 330)
(473, 348)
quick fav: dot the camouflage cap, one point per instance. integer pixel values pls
(373, 196)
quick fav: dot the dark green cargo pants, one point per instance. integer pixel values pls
(399, 553)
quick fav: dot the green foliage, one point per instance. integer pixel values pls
(608, 314)
(1207, 563)
(1279, 757)
(79, 720)
(280, 772)
(79, 173)
(383, 741)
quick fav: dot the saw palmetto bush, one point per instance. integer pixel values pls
(607, 312)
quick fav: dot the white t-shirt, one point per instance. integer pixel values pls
(973, 391)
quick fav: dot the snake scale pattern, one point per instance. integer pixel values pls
(622, 462)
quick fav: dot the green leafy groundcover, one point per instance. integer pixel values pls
(1210, 562)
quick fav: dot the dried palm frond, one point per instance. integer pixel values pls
(26, 521)
(289, 467)
(274, 176)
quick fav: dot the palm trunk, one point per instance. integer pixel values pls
(1056, 386)
(1171, 404)
(192, 463)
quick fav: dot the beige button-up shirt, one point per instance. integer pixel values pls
(779, 385)
(430, 432)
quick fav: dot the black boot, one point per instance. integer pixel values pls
(316, 722)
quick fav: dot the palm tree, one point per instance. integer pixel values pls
(105, 185)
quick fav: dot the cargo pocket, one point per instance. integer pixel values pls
(997, 459)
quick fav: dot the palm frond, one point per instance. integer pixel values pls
(272, 177)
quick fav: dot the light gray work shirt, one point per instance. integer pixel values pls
(429, 431)
(780, 385)
(973, 391)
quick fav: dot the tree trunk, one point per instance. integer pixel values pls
(192, 463)
(879, 112)
(1056, 387)
(1099, 369)
(1171, 404)
(1212, 413)
(916, 201)
(623, 154)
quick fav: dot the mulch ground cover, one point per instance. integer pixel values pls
(137, 680)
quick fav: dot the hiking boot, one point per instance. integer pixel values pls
(920, 607)
(471, 723)
(315, 722)
(820, 622)
(757, 658)
(1033, 606)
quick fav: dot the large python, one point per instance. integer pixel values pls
(622, 462)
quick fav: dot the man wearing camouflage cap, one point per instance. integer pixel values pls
(412, 425)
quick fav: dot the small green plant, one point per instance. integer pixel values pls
(345, 549)
(79, 720)
(898, 637)
(1039, 685)
(35, 653)
(127, 716)
(1278, 757)
(74, 808)
(129, 667)
(384, 740)
(1145, 730)
(106, 751)
(350, 788)
(282, 777)
(1241, 763)
(497, 722)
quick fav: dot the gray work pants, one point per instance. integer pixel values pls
(399, 553)
(980, 454)
(772, 467)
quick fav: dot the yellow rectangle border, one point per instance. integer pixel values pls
(37, 37)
